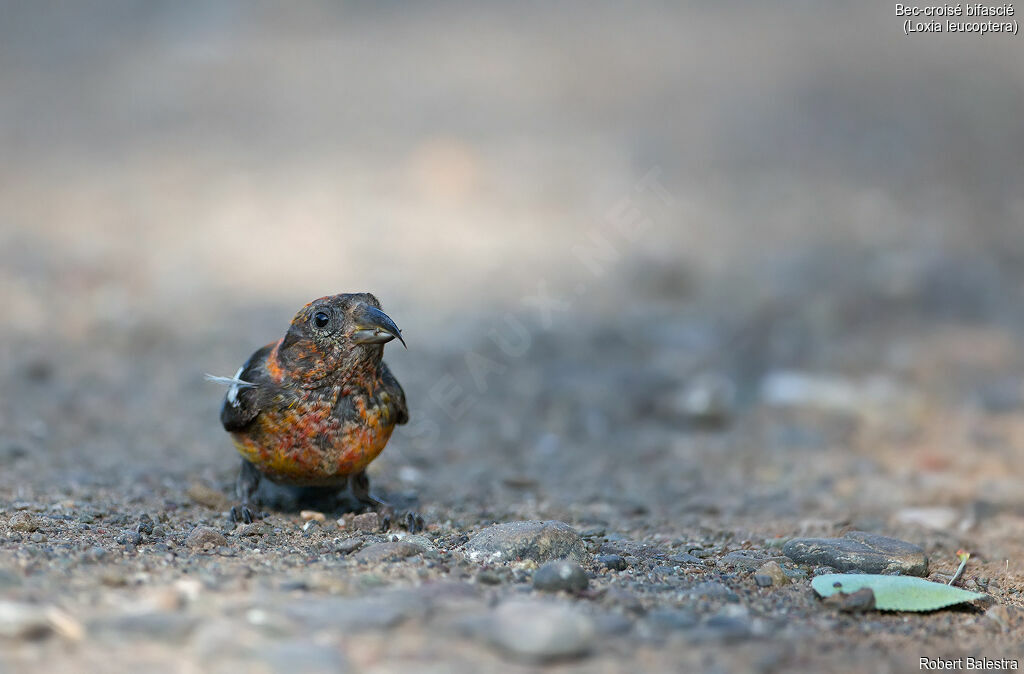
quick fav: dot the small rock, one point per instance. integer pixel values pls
(861, 600)
(38, 538)
(686, 558)
(539, 632)
(23, 521)
(859, 550)
(257, 528)
(313, 515)
(613, 562)
(773, 573)
(367, 522)
(388, 552)
(130, 537)
(527, 540)
(562, 575)
(743, 560)
(145, 525)
(201, 536)
(347, 546)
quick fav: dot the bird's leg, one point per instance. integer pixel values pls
(245, 489)
(359, 485)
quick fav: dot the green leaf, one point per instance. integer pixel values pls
(894, 593)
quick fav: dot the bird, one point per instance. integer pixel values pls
(313, 409)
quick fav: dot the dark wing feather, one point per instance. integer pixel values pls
(248, 401)
(396, 393)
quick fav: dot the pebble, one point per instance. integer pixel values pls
(388, 552)
(742, 559)
(527, 540)
(347, 546)
(367, 522)
(199, 537)
(861, 600)
(562, 575)
(23, 521)
(770, 574)
(145, 525)
(313, 515)
(540, 632)
(613, 562)
(867, 552)
(256, 528)
(38, 538)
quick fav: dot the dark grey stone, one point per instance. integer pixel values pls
(561, 575)
(613, 562)
(860, 550)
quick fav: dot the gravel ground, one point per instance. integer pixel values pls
(663, 319)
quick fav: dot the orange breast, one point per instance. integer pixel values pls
(305, 444)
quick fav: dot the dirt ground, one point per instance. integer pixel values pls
(694, 280)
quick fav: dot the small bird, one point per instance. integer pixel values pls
(314, 408)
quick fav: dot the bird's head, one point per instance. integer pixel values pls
(336, 335)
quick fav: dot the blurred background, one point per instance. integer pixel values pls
(571, 210)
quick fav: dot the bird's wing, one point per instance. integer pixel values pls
(395, 394)
(251, 389)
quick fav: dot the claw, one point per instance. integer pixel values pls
(241, 514)
(413, 522)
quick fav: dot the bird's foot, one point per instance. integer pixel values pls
(409, 520)
(243, 513)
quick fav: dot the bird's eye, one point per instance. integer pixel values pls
(321, 319)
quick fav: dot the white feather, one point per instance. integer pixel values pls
(233, 382)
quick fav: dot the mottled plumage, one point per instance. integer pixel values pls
(318, 405)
